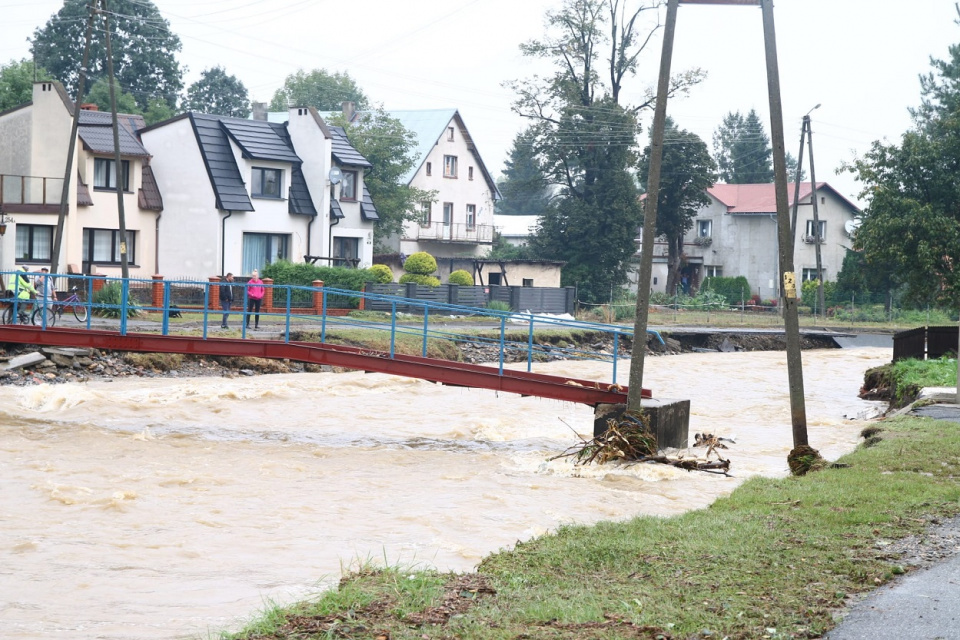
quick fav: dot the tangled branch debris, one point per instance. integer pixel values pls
(629, 439)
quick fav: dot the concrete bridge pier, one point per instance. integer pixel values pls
(669, 419)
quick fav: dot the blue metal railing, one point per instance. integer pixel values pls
(125, 304)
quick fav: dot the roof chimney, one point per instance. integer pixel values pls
(349, 110)
(259, 111)
(89, 106)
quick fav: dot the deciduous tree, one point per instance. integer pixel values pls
(16, 83)
(144, 49)
(217, 92)
(318, 88)
(687, 170)
(585, 139)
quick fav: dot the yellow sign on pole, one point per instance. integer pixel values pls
(790, 285)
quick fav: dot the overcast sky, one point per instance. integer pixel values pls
(859, 59)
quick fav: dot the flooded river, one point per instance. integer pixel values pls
(164, 508)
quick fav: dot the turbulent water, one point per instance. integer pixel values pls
(170, 508)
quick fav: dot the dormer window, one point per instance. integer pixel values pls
(348, 186)
(267, 183)
(105, 174)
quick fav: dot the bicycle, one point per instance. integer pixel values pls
(23, 317)
(75, 302)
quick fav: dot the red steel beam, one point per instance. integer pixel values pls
(443, 371)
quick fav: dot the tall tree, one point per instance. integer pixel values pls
(16, 83)
(524, 188)
(742, 150)
(687, 170)
(145, 49)
(911, 225)
(585, 139)
(219, 93)
(99, 94)
(389, 147)
(318, 88)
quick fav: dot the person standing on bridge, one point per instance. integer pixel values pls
(226, 298)
(255, 293)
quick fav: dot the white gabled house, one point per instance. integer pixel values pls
(242, 194)
(34, 140)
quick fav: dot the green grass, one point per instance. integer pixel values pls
(926, 373)
(774, 559)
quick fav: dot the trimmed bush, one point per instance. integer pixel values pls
(382, 273)
(420, 263)
(732, 289)
(428, 281)
(461, 277)
(302, 274)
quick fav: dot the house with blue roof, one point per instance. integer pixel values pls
(241, 194)
(34, 141)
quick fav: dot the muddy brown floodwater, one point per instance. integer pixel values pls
(164, 508)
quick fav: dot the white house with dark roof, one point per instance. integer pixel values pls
(34, 140)
(241, 194)
(459, 221)
(736, 235)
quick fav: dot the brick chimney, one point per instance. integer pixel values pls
(89, 106)
(259, 111)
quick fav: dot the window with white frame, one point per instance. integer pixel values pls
(102, 246)
(471, 216)
(447, 214)
(809, 274)
(450, 134)
(348, 186)
(261, 249)
(426, 211)
(449, 166)
(105, 174)
(267, 183)
(469, 173)
(704, 228)
(811, 229)
(712, 271)
(34, 242)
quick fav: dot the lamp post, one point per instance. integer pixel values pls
(4, 221)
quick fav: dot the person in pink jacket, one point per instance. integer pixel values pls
(255, 293)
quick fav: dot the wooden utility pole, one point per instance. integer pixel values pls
(796, 182)
(118, 163)
(634, 399)
(72, 148)
(798, 411)
(817, 236)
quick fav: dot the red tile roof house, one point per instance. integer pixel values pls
(736, 235)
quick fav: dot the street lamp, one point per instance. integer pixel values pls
(4, 221)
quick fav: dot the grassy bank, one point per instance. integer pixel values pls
(773, 560)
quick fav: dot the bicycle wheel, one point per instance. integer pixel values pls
(37, 316)
(79, 311)
(8, 315)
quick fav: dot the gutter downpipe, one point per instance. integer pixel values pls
(310, 224)
(156, 244)
(223, 243)
(334, 222)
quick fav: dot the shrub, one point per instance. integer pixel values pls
(425, 280)
(420, 263)
(302, 274)
(498, 305)
(732, 289)
(382, 273)
(461, 277)
(112, 295)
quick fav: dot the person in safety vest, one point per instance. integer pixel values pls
(20, 285)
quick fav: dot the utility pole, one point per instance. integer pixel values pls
(798, 411)
(796, 182)
(72, 147)
(817, 237)
(634, 393)
(118, 163)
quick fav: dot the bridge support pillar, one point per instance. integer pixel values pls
(669, 419)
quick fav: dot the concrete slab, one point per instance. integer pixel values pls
(669, 419)
(24, 360)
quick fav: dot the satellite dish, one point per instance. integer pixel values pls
(850, 226)
(335, 175)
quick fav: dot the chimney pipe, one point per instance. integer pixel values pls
(349, 110)
(259, 111)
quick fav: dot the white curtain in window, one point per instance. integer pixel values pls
(254, 251)
(102, 245)
(42, 242)
(100, 167)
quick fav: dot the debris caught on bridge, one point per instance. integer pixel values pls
(629, 440)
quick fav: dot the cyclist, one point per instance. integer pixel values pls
(20, 284)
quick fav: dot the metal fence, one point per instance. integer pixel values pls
(925, 343)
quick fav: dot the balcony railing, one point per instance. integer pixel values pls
(460, 232)
(812, 239)
(29, 194)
